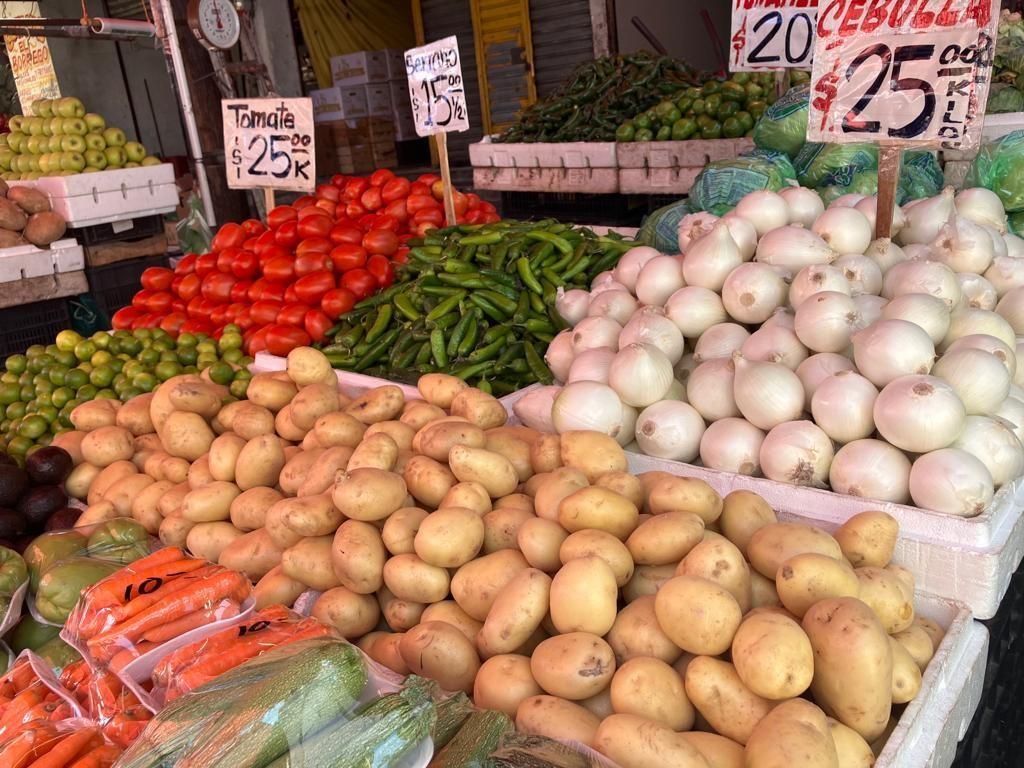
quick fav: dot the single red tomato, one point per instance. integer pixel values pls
(311, 288)
(345, 233)
(419, 188)
(433, 216)
(394, 189)
(381, 177)
(337, 302)
(279, 270)
(303, 202)
(217, 287)
(386, 222)
(460, 203)
(189, 287)
(251, 244)
(371, 199)
(416, 203)
(280, 215)
(368, 222)
(309, 262)
(401, 256)
(240, 291)
(245, 265)
(317, 324)
(287, 235)
(255, 292)
(264, 312)
(242, 318)
(124, 317)
(266, 240)
(328, 192)
(473, 217)
(339, 179)
(292, 314)
(313, 244)
(382, 241)
(314, 226)
(490, 218)
(355, 210)
(289, 296)
(327, 207)
(273, 292)
(145, 321)
(159, 303)
(354, 188)
(156, 278)
(225, 259)
(428, 178)
(206, 264)
(273, 252)
(253, 227)
(421, 229)
(177, 305)
(382, 269)
(141, 297)
(186, 264)
(257, 342)
(487, 207)
(360, 282)
(397, 210)
(195, 325)
(196, 307)
(348, 256)
(231, 235)
(220, 316)
(472, 199)
(172, 323)
(282, 339)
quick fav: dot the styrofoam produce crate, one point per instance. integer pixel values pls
(671, 167)
(25, 261)
(966, 559)
(108, 196)
(583, 180)
(569, 154)
(1000, 125)
(351, 384)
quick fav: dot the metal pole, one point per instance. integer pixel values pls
(171, 47)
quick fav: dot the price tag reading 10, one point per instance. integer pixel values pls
(269, 143)
(436, 88)
(914, 73)
(772, 34)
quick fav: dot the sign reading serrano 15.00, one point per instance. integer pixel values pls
(772, 34)
(269, 143)
(436, 88)
(902, 71)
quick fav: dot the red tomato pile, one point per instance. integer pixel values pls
(286, 282)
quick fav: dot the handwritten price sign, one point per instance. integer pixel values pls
(269, 143)
(772, 34)
(436, 87)
(912, 72)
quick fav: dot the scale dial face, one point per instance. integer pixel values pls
(214, 22)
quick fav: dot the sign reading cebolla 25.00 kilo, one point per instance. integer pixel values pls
(268, 143)
(772, 34)
(902, 71)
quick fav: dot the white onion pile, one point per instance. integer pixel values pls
(789, 343)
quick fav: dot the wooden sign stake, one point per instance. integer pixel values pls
(446, 177)
(268, 199)
(888, 178)
(781, 82)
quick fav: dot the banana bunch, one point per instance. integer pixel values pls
(335, 27)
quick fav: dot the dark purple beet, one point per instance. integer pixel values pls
(39, 503)
(12, 524)
(63, 519)
(13, 482)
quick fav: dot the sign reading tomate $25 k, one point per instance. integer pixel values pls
(912, 72)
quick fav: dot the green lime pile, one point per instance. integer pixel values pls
(720, 109)
(40, 388)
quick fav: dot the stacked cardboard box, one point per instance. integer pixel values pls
(342, 130)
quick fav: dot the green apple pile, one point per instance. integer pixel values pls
(60, 139)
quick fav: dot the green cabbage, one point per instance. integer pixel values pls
(783, 126)
(999, 166)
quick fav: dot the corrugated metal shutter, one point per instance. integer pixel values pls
(442, 18)
(503, 42)
(562, 39)
(126, 9)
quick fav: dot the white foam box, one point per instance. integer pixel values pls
(583, 180)
(1000, 125)
(378, 100)
(671, 167)
(966, 559)
(571, 154)
(24, 261)
(109, 196)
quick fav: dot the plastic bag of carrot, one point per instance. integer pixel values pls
(25, 699)
(105, 699)
(155, 600)
(192, 665)
(69, 744)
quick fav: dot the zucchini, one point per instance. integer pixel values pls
(378, 736)
(451, 714)
(475, 741)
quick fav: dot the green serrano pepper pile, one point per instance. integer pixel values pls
(474, 301)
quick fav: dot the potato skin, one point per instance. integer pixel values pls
(504, 682)
(868, 538)
(773, 544)
(716, 691)
(794, 733)
(698, 615)
(516, 613)
(556, 718)
(806, 578)
(650, 688)
(773, 656)
(636, 742)
(574, 666)
(440, 652)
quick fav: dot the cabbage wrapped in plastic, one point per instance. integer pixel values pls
(999, 166)
(783, 126)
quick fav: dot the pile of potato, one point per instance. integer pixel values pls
(644, 615)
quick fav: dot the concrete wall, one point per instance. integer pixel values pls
(678, 25)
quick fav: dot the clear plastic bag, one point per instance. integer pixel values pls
(25, 698)
(783, 126)
(520, 750)
(723, 183)
(105, 699)
(194, 233)
(69, 742)
(819, 165)
(999, 166)
(13, 586)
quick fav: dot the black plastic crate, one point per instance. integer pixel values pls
(114, 285)
(608, 210)
(97, 234)
(995, 737)
(29, 324)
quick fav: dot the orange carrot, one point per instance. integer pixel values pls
(29, 744)
(101, 757)
(124, 586)
(190, 621)
(22, 676)
(151, 565)
(16, 711)
(68, 748)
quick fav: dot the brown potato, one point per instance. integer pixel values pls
(12, 217)
(29, 199)
(479, 408)
(400, 528)
(868, 538)
(400, 615)
(636, 633)
(503, 683)
(638, 742)
(351, 614)
(449, 612)
(275, 587)
(339, 429)
(794, 733)
(651, 689)
(379, 404)
(720, 696)
(775, 543)
(440, 652)
(501, 527)
(253, 554)
(556, 718)
(744, 512)
(540, 540)
(573, 666)
(699, 616)
(684, 494)
(592, 453)
(719, 561)
(357, 556)
(546, 453)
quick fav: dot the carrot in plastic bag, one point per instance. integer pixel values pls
(111, 590)
(32, 741)
(67, 749)
(100, 757)
(190, 621)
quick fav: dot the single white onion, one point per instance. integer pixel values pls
(992, 442)
(694, 226)
(844, 230)
(766, 393)
(926, 217)
(743, 233)
(919, 413)
(589, 405)
(928, 312)
(640, 374)
(843, 406)
(764, 209)
(1014, 245)
(649, 325)
(593, 332)
(591, 365)
(783, 317)
(617, 305)
(870, 307)
(670, 429)
(775, 344)
(815, 279)
(978, 377)
(534, 408)
(951, 481)
(572, 305)
(999, 247)
(976, 292)
(676, 391)
(862, 274)
(1004, 354)
(720, 340)
(732, 445)
(964, 322)
(710, 260)
(608, 285)
(752, 292)
(632, 261)
(559, 356)
(871, 469)
(922, 277)
(982, 206)
(804, 205)
(798, 453)
(608, 276)
(687, 365)
(1012, 412)
(1011, 308)
(869, 207)
(826, 321)
(918, 252)
(1006, 273)
(793, 248)
(885, 253)
(709, 389)
(963, 246)
(816, 368)
(848, 200)
(660, 278)
(694, 309)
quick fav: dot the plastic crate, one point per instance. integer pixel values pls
(114, 285)
(131, 229)
(29, 324)
(611, 210)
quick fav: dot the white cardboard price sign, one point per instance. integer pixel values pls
(436, 88)
(911, 72)
(772, 34)
(269, 143)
